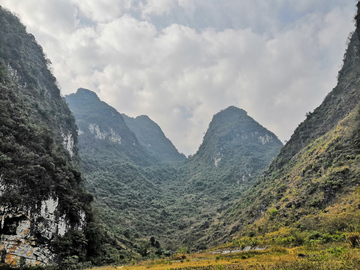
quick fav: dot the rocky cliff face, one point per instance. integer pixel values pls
(41, 196)
(153, 139)
(27, 234)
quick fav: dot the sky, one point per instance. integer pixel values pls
(182, 61)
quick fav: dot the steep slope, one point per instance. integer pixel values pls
(102, 128)
(234, 152)
(173, 201)
(122, 175)
(153, 139)
(42, 200)
(232, 134)
(316, 170)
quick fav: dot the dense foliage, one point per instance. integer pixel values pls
(38, 153)
(141, 196)
(33, 116)
(126, 179)
(308, 197)
(30, 160)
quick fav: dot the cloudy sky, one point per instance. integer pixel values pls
(182, 61)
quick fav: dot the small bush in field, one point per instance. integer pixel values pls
(179, 256)
(353, 239)
(273, 212)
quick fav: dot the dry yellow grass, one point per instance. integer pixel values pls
(263, 259)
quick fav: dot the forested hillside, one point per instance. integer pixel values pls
(127, 180)
(235, 151)
(311, 190)
(157, 192)
(242, 188)
(303, 211)
(153, 139)
(42, 200)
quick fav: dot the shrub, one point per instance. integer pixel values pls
(273, 213)
(353, 239)
(276, 249)
(179, 256)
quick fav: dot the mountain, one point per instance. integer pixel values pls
(234, 152)
(102, 128)
(312, 186)
(232, 134)
(125, 178)
(141, 194)
(153, 139)
(43, 204)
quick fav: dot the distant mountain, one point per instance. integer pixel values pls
(232, 134)
(235, 151)
(125, 178)
(125, 163)
(153, 139)
(103, 129)
(315, 173)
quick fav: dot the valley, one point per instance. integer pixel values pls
(83, 185)
(145, 188)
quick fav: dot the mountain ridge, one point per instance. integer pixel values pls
(153, 138)
(105, 129)
(317, 168)
(181, 187)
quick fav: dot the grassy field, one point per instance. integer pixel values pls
(318, 257)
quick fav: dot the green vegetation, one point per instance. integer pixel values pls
(142, 196)
(38, 153)
(153, 139)
(32, 157)
(304, 209)
(309, 193)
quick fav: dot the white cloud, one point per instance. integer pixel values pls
(48, 19)
(181, 74)
(157, 7)
(104, 10)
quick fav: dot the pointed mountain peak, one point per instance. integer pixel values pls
(87, 94)
(233, 133)
(144, 117)
(234, 110)
(230, 112)
(102, 126)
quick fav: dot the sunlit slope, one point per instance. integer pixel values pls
(235, 151)
(318, 166)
